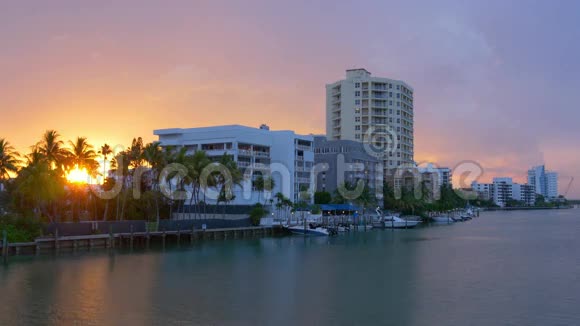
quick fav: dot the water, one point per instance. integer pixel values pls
(508, 268)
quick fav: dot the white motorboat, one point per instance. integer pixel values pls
(309, 230)
(392, 222)
(442, 219)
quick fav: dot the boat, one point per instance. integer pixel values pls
(459, 218)
(392, 222)
(310, 230)
(442, 219)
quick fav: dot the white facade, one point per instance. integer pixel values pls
(378, 110)
(504, 189)
(444, 174)
(551, 185)
(524, 193)
(545, 182)
(483, 190)
(287, 156)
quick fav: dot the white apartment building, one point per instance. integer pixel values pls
(374, 110)
(545, 182)
(504, 189)
(484, 190)
(444, 175)
(551, 184)
(524, 193)
(288, 157)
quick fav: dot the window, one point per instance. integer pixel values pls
(398, 112)
(357, 110)
(357, 136)
(391, 111)
(390, 94)
(390, 85)
(391, 120)
(356, 119)
(356, 85)
(357, 102)
(397, 87)
(357, 93)
(356, 127)
(398, 95)
(390, 102)
(398, 103)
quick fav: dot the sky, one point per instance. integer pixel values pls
(495, 82)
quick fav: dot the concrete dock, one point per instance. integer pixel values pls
(132, 240)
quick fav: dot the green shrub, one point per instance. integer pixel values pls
(20, 229)
(257, 213)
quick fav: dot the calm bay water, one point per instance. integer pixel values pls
(508, 268)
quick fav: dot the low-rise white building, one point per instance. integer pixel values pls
(484, 190)
(288, 157)
(444, 175)
(503, 190)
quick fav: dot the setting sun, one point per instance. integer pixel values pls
(77, 175)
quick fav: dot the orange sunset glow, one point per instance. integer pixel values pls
(114, 77)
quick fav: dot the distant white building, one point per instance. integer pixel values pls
(551, 185)
(524, 193)
(483, 190)
(503, 190)
(545, 182)
(444, 175)
(288, 157)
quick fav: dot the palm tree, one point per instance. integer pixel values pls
(263, 184)
(53, 149)
(121, 165)
(9, 160)
(83, 155)
(105, 151)
(195, 165)
(224, 185)
(153, 155)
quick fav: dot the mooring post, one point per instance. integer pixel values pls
(192, 234)
(131, 240)
(147, 237)
(56, 245)
(5, 245)
(111, 238)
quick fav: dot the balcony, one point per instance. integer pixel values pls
(302, 180)
(244, 152)
(261, 154)
(304, 147)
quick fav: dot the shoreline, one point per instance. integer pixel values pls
(523, 208)
(132, 240)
